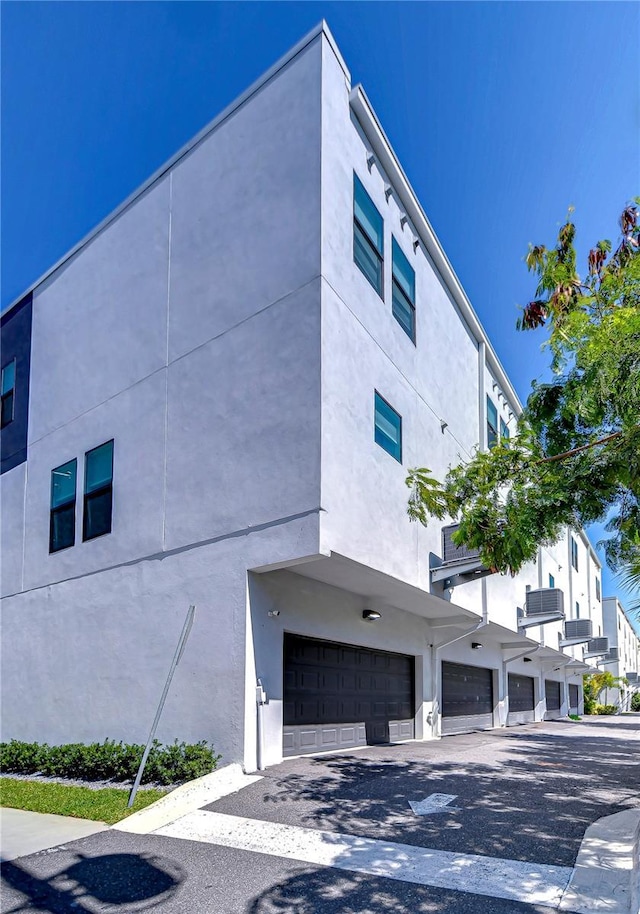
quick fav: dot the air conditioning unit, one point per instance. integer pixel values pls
(453, 553)
(597, 646)
(631, 677)
(544, 601)
(612, 655)
(578, 628)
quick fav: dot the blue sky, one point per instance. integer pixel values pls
(503, 114)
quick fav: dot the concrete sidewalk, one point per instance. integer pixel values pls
(23, 832)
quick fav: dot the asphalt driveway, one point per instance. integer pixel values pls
(527, 793)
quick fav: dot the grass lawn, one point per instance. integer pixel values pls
(108, 805)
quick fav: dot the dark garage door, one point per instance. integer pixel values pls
(339, 695)
(521, 699)
(467, 698)
(574, 697)
(553, 698)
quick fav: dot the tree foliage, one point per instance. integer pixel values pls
(575, 458)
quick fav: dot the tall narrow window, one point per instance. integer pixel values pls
(598, 589)
(552, 581)
(403, 304)
(577, 610)
(368, 236)
(98, 491)
(574, 553)
(504, 432)
(492, 423)
(62, 518)
(388, 428)
(8, 385)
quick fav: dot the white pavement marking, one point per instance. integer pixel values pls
(435, 802)
(512, 879)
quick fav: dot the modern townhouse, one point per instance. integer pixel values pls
(623, 658)
(214, 399)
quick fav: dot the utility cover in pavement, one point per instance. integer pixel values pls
(435, 802)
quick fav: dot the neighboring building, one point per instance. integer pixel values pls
(623, 658)
(215, 399)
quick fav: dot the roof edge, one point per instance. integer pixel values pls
(320, 29)
(383, 149)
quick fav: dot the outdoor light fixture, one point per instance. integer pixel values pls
(475, 645)
(443, 425)
(273, 612)
(371, 615)
(370, 161)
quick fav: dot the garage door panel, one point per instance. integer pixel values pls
(340, 695)
(553, 698)
(467, 698)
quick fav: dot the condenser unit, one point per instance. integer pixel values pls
(597, 646)
(578, 628)
(544, 602)
(453, 553)
(631, 677)
(612, 655)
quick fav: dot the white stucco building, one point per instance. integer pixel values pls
(216, 399)
(623, 658)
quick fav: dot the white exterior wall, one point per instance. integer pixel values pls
(188, 330)
(621, 635)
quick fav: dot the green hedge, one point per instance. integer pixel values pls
(605, 709)
(109, 761)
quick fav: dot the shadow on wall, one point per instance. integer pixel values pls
(125, 882)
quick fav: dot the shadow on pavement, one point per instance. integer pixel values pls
(333, 892)
(533, 803)
(103, 883)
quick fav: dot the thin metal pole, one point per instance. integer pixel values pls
(186, 628)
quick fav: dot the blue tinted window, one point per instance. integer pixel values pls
(504, 432)
(98, 491)
(388, 428)
(492, 423)
(368, 236)
(9, 377)
(552, 581)
(7, 388)
(403, 303)
(62, 518)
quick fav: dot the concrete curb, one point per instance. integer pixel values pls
(186, 799)
(606, 877)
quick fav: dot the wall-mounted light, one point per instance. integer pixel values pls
(370, 161)
(371, 615)
(443, 425)
(475, 645)
(416, 245)
(273, 613)
(403, 222)
(387, 192)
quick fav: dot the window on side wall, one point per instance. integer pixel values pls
(505, 434)
(574, 553)
(62, 515)
(98, 491)
(388, 428)
(368, 236)
(403, 304)
(8, 386)
(598, 595)
(552, 581)
(492, 423)
(577, 610)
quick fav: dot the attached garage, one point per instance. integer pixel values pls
(337, 696)
(467, 698)
(553, 697)
(574, 698)
(521, 699)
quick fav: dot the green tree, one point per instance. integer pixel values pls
(594, 685)
(575, 458)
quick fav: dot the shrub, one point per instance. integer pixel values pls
(109, 761)
(574, 717)
(635, 701)
(606, 709)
